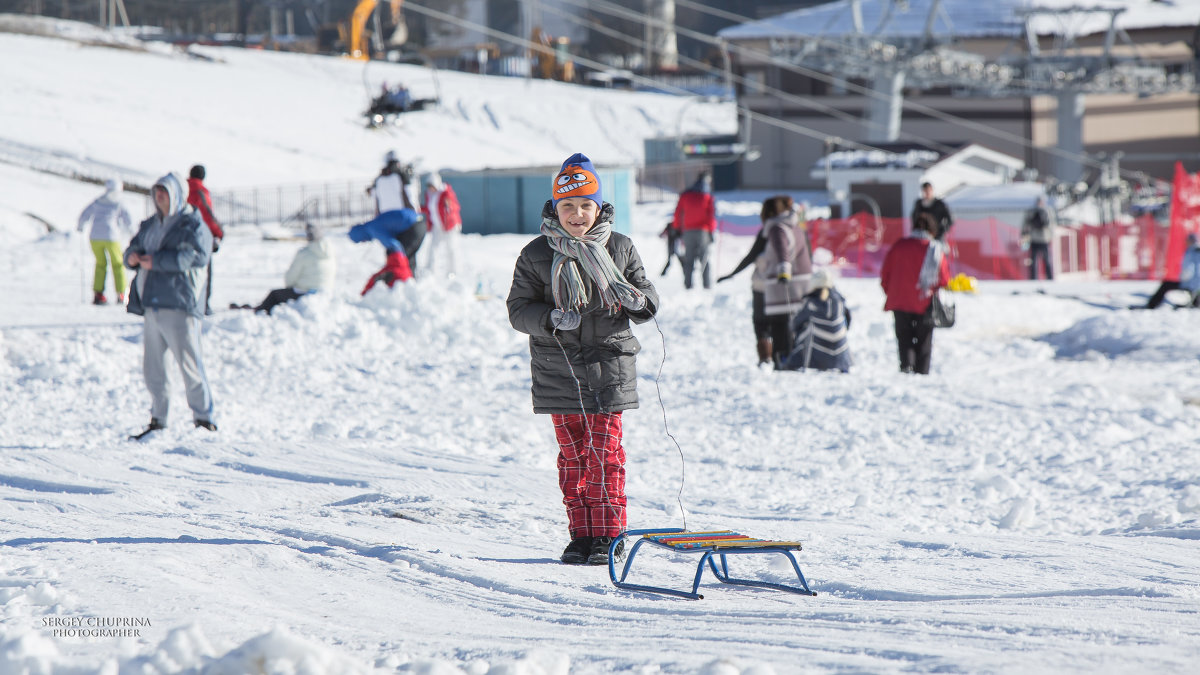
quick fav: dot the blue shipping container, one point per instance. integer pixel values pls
(509, 201)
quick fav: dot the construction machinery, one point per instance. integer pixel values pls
(357, 47)
(551, 56)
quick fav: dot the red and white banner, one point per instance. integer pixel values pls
(1185, 218)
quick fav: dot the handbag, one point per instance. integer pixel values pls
(942, 308)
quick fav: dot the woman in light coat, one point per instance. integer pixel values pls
(784, 269)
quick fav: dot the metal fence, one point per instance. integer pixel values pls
(346, 203)
(339, 204)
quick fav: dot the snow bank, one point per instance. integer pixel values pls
(1162, 336)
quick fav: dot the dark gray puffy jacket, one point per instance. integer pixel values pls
(601, 351)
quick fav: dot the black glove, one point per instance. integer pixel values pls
(216, 244)
(568, 320)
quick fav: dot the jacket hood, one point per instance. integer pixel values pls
(788, 218)
(174, 184)
(321, 247)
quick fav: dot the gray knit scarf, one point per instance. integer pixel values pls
(578, 257)
(931, 266)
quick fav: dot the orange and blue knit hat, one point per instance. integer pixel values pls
(577, 178)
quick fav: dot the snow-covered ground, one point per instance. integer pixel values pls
(380, 497)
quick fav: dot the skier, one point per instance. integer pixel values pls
(574, 291)
(110, 223)
(170, 252)
(200, 200)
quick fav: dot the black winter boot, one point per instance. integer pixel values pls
(599, 554)
(155, 425)
(577, 551)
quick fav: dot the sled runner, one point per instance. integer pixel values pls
(719, 543)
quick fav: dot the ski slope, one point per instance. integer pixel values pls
(381, 499)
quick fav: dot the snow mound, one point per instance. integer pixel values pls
(1169, 337)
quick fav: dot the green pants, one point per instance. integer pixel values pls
(100, 248)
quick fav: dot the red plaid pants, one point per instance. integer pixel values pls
(591, 473)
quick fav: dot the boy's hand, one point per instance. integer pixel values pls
(568, 320)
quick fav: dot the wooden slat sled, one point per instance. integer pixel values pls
(713, 545)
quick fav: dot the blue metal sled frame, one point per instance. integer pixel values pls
(719, 544)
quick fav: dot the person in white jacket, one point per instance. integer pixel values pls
(312, 270)
(443, 214)
(111, 227)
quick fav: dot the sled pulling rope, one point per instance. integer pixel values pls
(719, 544)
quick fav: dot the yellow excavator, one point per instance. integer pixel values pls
(551, 56)
(358, 27)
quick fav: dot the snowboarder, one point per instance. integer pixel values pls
(170, 253)
(110, 224)
(574, 291)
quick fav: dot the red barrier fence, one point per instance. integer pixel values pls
(991, 249)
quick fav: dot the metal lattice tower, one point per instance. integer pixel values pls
(927, 61)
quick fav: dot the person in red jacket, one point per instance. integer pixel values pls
(199, 199)
(913, 269)
(444, 216)
(696, 219)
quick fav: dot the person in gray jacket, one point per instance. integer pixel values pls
(110, 224)
(574, 291)
(170, 253)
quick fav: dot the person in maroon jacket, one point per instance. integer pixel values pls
(913, 269)
(696, 219)
(199, 199)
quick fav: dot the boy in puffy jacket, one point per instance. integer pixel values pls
(574, 291)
